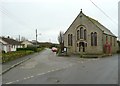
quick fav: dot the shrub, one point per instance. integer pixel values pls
(28, 48)
(3, 51)
(14, 55)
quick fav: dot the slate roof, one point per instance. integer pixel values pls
(100, 26)
(10, 41)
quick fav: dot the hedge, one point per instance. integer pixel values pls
(14, 55)
(28, 48)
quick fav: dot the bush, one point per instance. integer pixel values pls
(28, 48)
(14, 55)
(3, 51)
(39, 49)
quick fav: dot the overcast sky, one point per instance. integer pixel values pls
(22, 17)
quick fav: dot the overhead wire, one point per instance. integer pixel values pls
(104, 12)
(13, 17)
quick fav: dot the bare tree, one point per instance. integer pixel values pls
(61, 40)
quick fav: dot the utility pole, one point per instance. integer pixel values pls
(19, 38)
(36, 38)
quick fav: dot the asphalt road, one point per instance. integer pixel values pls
(47, 68)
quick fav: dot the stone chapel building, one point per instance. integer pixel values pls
(87, 36)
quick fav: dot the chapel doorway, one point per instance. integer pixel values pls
(81, 47)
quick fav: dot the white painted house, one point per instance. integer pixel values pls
(26, 43)
(9, 44)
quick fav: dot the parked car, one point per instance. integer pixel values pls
(54, 49)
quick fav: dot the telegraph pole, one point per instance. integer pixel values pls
(36, 38)
(19, 38)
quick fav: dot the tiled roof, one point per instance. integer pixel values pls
(10, 41)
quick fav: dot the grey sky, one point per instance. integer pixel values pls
(22, 17)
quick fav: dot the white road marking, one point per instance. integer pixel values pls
(57, 69)
(41, 74)
(31, 76)
(25, 78)
(52, 70)
(48, 71)
(17, 80)
(9, 83)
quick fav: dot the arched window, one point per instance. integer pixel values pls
(92, 38)
(84, 34)
(106, 39)
(77, 34)
(70, 37)
(111, 40)
(81, 33)
(71, 40)
(95, 39)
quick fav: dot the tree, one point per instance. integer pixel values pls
(61, 40)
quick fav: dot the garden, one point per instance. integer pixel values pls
(6, 57)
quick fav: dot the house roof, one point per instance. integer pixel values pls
(26, 41)
(10, 41)
(100, 26)
(95, 22)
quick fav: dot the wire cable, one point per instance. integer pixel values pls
(104, 12)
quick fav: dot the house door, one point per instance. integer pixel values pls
(81, 47)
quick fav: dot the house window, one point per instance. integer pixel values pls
(77, 34)
(106, 38)
(81, 33)
(84, 34)
(92, 37)
(111, 41)
(70, 37)
(71, 40)
(95, 39)
(14, 46)
(11, 46)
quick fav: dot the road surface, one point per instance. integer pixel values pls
(47, 68)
